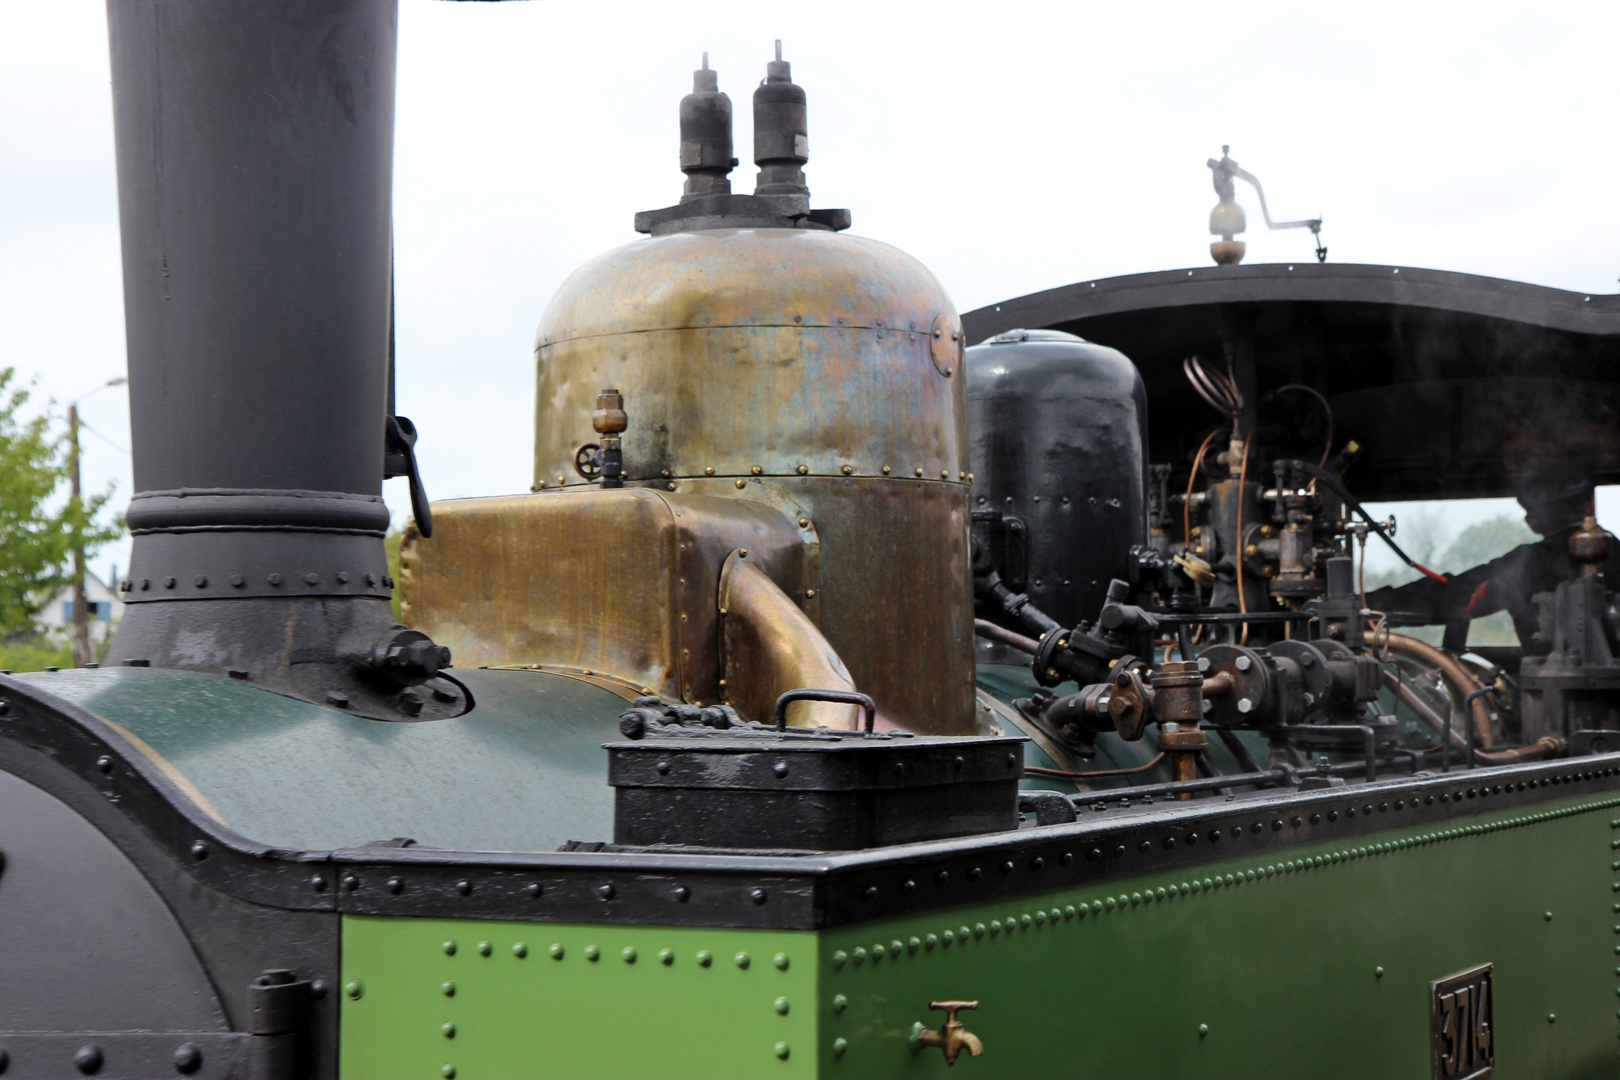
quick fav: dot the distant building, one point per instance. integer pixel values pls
(56, 619)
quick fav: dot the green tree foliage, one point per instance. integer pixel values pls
(391, 548)
(35, 539)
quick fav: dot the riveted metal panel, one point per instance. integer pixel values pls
(447, 998)
(1313, 961)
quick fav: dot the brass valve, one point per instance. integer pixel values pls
(952, 1038)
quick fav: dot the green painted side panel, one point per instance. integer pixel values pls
(1254, 968)
(528, 1002)
(1278, 958)
(524, 771)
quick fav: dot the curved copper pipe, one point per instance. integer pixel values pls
(1547, 746)
(1216, 685)
(1067, 775)
(986, 629)
(1460, 678)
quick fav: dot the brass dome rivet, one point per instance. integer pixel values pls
(809, 594)
(709, 471)
(948, 372)
(804, 523)
(956, 335)
(885, 470)
(742, 553)
(560, 479)
(937, 331)
(756, 470)
(803, 469)
(848, 469)
(672, 485)
(919, 470)
(538, 487)
(742, 484)
(666, 474)
(961, 476)
(944, 474)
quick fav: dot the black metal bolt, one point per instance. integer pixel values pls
(870, 893)
(605, 892)
(907, 887)
(343, 577)
(1145, 846)
(1169, 842)
(1296, 821)
(350, 883)
(169, 583)
(396, 885)
(758, 896)
(1119, 851)
(1094, 854)
(88, 1058)
(104, 763)
(318, 883)
(1066, 858)
(201, 581)
(681, 894)
(274, 579)
(199, 850)
(337, 700)
(1007, 867)
(237, 580)
(533, 890)
(942, 878)
(464, 887)
(974, 874)
(780, 769)
(187, 1059)
(1276, 826)
(312, 578)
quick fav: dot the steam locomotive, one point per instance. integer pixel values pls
(841, 700)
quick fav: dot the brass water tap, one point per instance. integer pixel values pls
(952, 1038)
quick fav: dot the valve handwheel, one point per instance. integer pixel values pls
(588, 460)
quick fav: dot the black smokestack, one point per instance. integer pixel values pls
(255, 154)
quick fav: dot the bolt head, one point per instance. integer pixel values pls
(187, 1059)
(1245, 706)
(1243, 663)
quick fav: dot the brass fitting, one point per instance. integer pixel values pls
(952, 1038)
(1589, 546)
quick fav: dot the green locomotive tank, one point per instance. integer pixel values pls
(715, 788)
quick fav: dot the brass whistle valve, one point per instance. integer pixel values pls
(610, 420)
(952, 1038)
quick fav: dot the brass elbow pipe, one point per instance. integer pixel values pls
(769, 646)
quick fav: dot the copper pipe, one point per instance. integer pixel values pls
(986, 629)
(1241, 555)
(1217, 685)
(1548, 746)
(1067, 775)
(1186, 506)
(1460, 678)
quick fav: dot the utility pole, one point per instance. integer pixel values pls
(81, 614)
(82, 653)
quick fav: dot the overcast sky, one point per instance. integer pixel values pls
(1009, 146)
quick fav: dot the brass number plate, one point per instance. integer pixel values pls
(1464, 1043)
